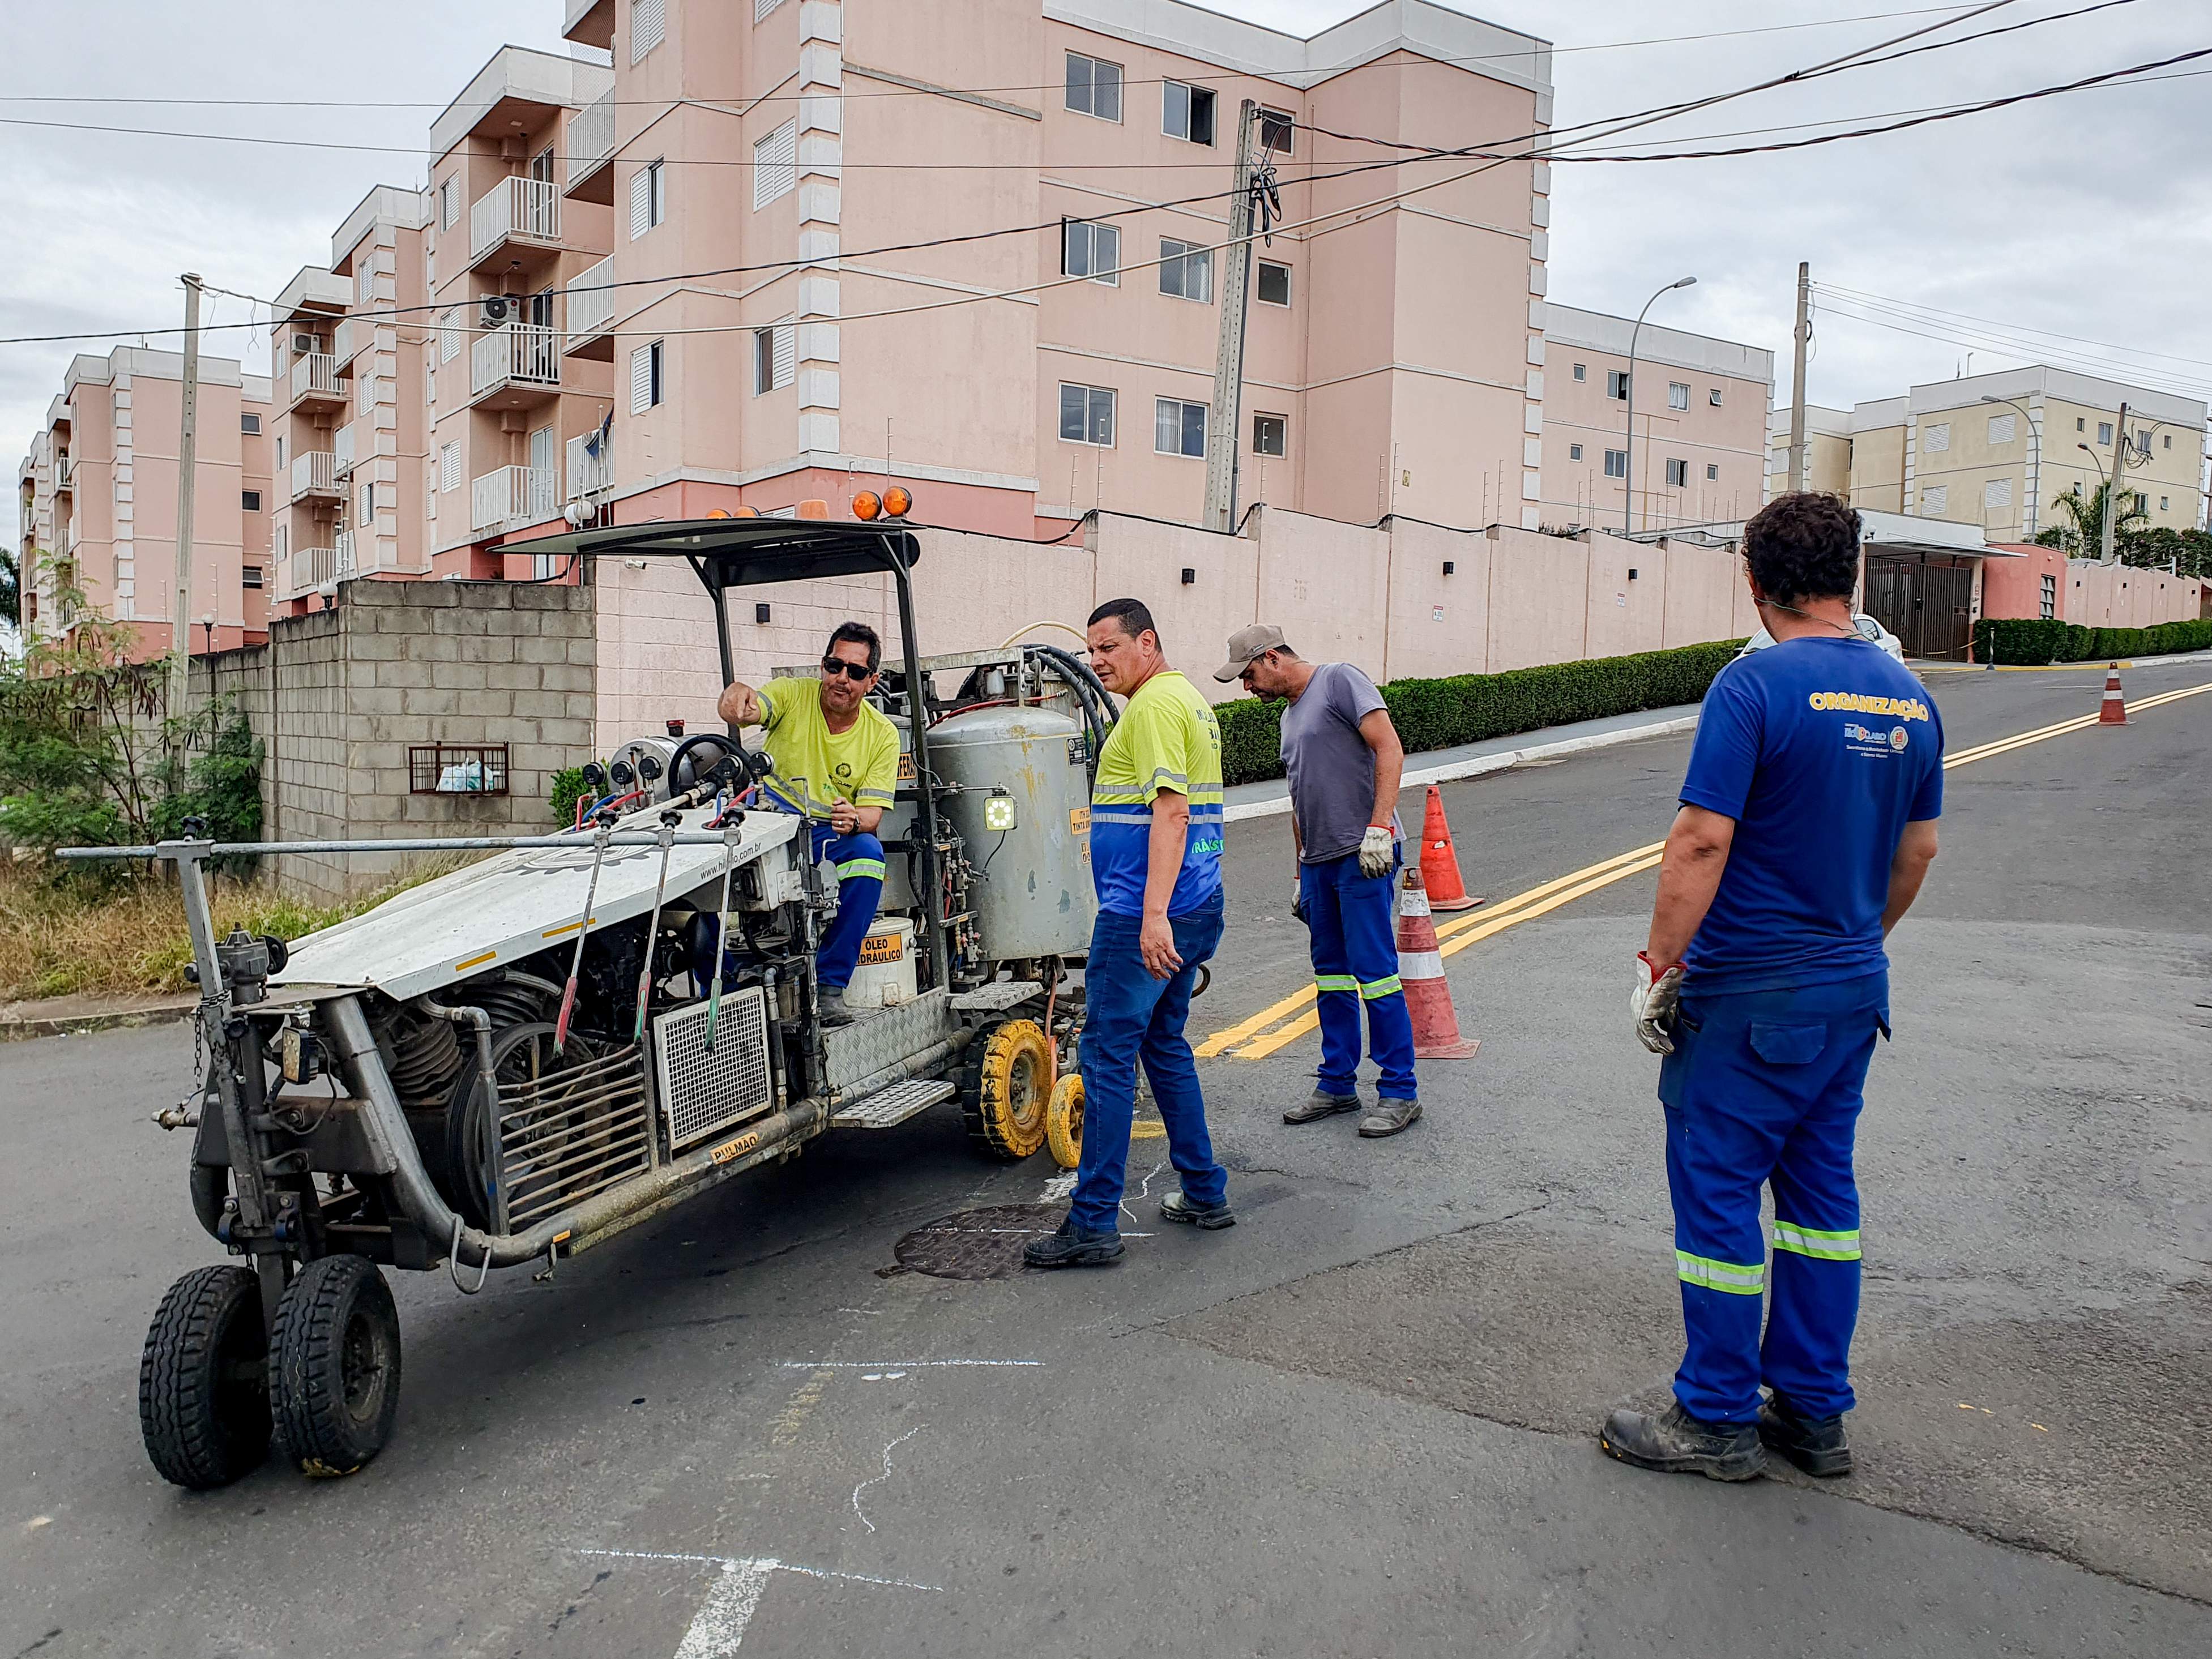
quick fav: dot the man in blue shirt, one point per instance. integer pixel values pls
(1807, 823)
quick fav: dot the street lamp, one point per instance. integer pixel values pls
(2029, 521)
(1628, 463)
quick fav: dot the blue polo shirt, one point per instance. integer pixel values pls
(1822, 750)
(1166, 738)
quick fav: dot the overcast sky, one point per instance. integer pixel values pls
(2088, 215)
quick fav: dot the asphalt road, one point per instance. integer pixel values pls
(1359, 1423)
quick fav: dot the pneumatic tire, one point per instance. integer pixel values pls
(1006, 1089)
(334, 1365)
(203, 1380)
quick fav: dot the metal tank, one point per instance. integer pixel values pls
(1022, 767)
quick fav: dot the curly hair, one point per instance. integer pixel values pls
(1804, 546)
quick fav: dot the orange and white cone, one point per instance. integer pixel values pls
(1439, 862)
(2114, 711)
(1421, 972)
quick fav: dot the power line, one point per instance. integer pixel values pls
(1907, 306)
(2077, 362)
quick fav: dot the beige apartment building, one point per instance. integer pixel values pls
(1998, 450)
(1700, 409)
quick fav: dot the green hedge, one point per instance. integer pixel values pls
(2020, 641)
(1470, 707)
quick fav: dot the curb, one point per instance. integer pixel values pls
(1459, 771)
(2100, 665)
(120, 1019)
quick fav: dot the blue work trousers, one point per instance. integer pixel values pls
(1763, 1088)
(1130, 1016)
(859, 859)
(1352, 929)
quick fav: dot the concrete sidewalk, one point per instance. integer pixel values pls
(76, 1016)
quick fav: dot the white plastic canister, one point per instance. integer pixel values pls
(885, 976)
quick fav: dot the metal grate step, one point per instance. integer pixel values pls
(886, 1107)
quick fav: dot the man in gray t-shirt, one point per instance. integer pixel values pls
(1344, 761)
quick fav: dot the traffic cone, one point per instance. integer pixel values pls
(1421, 971)
(1439, 863)
(2115, 709)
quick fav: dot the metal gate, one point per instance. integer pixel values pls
(1926, 606)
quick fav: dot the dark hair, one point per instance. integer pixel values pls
(1804, 546)
(1132, 614)
(856, 633)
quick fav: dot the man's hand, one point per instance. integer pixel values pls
(1376, 847)
(844, 816)
(1298, 899)
(740, 705)
(1156, 944)
(1652, 1003)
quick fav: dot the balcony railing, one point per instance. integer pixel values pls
(345, 340)
(342, 448)
(591, 464)
(591, 140)
(65, 472)
(307, 569)
(315, 472)
(523, 209)
(316, 375)
(591, 303)
(511, 495)
(523, 354)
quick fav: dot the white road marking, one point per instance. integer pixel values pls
(878, 1479)
(892, 1364)
(718, 1629)
(1060, 1186)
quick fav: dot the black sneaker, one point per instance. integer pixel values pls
(1320, 1104)
(1072, 1247)
(1814, 1444)
(1677, 1444)
(1178, 1207)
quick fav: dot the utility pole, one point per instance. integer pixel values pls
(2107, 552)
(180, 604)
(1804, 332)
(1221, 434)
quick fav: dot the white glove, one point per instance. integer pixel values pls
(1652, 1003)
(1375, 850)
(1298, 900)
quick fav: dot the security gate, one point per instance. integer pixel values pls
(1926, 601)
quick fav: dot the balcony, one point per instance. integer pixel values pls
(64, 473)
(591, 464)
(342, 448)
(315, 472)
(590, 301)
(520, 360)
(305, 569)
(526, 211)
(509, 497)
(315, 380)
(590, 145)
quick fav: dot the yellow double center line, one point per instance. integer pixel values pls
(1253, 1039)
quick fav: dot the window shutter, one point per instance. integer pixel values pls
(449, 338)
(648, 24)
(449, 467)
(787, 353)
(761, 8)
(775, 165)
(641, 203)
(640, 380)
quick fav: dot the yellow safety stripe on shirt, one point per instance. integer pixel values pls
(1326, 982)
(1811, 1240)
(1735, 1277)
(1371, 989)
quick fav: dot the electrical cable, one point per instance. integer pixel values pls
(1906, 307)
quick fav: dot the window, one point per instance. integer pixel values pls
(648, 195)
(249, 500)
(449, 205)
(1274, 283)
(645, 384)
(1276, 130)
(1094, 87)
(648, 26)
(2169, 441)
(1934, 499)
(449, 466)
(1997, 492)
(775, 356)
(2080, 425)
(1178, 428)
(1187, 112)
(1712, 472)
(250, 424)
(1086, 415)
(1270, 435)
(775, 165)
(1935, 439)
(2161, 504)
(280, 452)
(1713, 397)
(1187, 271)
(1678, 395)
(2142, 502)
(1678, 474)
(2049, 599)
(1574, 452)
(2103, 432)
(249, 576)
(1581, 371)
(1616, 384)
(2000, 428)
(449, 337)
(1089, 250)
(1616, 463)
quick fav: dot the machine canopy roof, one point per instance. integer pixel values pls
(744, 552)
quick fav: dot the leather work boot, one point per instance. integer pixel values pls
(1072, 1247)
(1178, 1207)
(1389, 1117)
(831, 1005)
(1814, 1444)
(1321, 1104)
(1677, 1444)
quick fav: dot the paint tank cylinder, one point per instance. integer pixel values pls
(1022, 809)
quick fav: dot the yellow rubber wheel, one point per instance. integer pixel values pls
(1063, 1121)
(1009, 1089)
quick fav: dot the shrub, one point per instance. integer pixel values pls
(567, 788)
(1470, 707)
(2031, 642)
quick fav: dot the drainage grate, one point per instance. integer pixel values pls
(977, 1243)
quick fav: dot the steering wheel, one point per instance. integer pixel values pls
(689, 766)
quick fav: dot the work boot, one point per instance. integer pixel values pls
(1324, 1103)
(1072, 1247)
(1180, 1206)
(1814, 1444)
(1390, 1116)
(1677, 1444)
(830, 1004)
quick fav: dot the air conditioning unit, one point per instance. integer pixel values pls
(497, 310)
(302, 344)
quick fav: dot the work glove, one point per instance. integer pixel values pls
(1378, 851)
(1652, 1003)
(1298, 900)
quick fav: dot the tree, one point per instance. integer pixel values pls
(2185, 552)
(2083, 534)
(11, 590)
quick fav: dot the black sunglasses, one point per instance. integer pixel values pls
(834, 666)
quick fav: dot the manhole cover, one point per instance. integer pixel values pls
(977, 1243)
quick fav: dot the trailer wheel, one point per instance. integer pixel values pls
(203, 1379)
(1008, 1086)
(334, 1365)
(1063, 1121)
